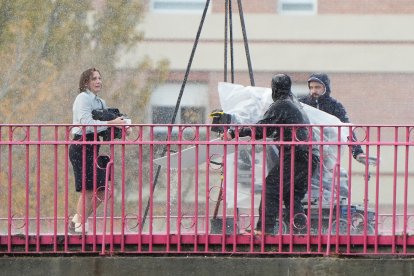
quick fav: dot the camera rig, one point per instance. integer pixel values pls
(219, 118)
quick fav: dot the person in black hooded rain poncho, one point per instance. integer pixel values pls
(320, 97)
(285, 109)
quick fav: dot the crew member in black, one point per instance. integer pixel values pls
(285, 109)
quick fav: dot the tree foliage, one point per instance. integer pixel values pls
(44, 47)
(46, 44)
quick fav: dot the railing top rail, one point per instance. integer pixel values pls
(210, 125)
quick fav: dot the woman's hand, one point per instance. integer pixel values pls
(121, 121)
(117, 121)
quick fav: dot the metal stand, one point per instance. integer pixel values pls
(228, 15)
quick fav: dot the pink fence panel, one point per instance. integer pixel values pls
(185, 189)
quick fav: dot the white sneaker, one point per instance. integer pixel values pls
(76, 227)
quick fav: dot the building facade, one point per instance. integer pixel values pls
(366, 47)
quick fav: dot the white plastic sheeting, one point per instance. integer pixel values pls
(247, 105)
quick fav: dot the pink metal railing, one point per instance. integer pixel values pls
(202, 197)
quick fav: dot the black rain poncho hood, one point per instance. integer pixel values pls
(281, 86)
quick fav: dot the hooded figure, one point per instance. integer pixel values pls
(325, 102)
(285, 109)
(281, 86)
(328, 104)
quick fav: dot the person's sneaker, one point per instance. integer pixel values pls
(76, 227)
(71, 227)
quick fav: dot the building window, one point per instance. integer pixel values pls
(299, 7)
(187, 6)
(193, 106)
(162, 114)
(187, 114)
(192, 115)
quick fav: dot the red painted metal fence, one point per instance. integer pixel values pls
(203, 196)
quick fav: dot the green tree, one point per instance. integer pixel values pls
(47, 44)
(44, 47)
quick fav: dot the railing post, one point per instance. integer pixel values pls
(331, 207)
(109, 167)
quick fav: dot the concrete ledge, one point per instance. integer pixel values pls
(157, 265)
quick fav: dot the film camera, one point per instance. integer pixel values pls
(108, 114)
(219, 117)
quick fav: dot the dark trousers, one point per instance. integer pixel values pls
(272, 194)
(92, 163)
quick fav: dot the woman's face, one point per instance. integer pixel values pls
(95, 82)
